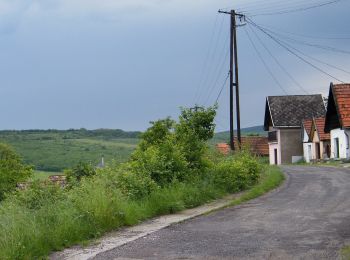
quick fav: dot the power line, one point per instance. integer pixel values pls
(218, 70)
(315, 59)
(304, 35)
(278, 63)
(292, 52)
(206, 57)
(264, 63)
(212, 56)
(301, 9)
(218, 77)
(222, 88)
(319, 46)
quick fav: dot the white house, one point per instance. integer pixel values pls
(338, 120)
(283, 119)
(320, 139)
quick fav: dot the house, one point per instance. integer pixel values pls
(338, 120)
(257, 145)
(283, 119)
(305, 136)
(321, 148)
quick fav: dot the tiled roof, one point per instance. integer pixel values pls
(290, 111)
(307, 123)
(258, 145)
(341, 94)
(319, 125)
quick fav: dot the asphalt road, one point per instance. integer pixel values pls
(308, 218)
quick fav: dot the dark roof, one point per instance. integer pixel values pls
(338, 109)
(290, 111)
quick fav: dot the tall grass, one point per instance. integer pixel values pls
(33, 225)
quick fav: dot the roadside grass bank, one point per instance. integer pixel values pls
(170, 170)
(345, 253)
(33, 225)
(271, 178)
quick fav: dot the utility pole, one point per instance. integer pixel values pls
(235, 83)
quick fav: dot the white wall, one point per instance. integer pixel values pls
(273, 146)
(307, 152)
(343, 143)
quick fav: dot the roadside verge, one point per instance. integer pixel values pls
(272, 178)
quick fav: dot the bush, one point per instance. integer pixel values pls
(132, 185)
(237, 173)
(79, 171)
(12, 170)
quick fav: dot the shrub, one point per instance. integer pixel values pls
(163, 162)
(131, 184)
(12, 170)
(237, 173)
(79, 171)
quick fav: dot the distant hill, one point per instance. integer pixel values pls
(55, 150)
(225, 136)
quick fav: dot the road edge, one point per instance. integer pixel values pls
(126, 235)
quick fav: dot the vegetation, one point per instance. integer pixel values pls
(54, 150)
(171, 169)
(345, 253)
(223, 137)
(12, 170)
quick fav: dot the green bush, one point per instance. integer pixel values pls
(132, 185)
(170, 170)
(237, 172)
(79, 171)
(12, 170)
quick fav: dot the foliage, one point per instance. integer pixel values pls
(237, 174)
(12, 170)
(172, 169)
(79, 171)
(132, 185)
(54, 150)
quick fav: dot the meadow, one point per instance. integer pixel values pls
(54, 150)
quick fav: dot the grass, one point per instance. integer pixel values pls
(345, 253)
(58, 150)
(270, 179)
(53, 219)
(42, 175)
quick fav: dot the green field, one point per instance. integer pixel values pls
(54, 150)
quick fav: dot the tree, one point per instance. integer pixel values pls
(12, 170)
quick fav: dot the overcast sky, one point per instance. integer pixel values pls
(122, 63)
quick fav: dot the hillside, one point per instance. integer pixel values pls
(225, 136)
(56, 150)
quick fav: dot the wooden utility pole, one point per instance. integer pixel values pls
(235, 82)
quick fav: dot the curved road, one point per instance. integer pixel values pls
(308, 218)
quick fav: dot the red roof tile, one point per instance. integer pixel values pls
(307, 123)
(341, 94)
(257, 144)
(319, 125)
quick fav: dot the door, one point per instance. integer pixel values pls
(318, 151)
(276, 159)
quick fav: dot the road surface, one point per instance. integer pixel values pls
(308, 218)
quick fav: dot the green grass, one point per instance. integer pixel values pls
(270, 179)
(42, 175)
(58, 150)
(53, 218)
(345, 253)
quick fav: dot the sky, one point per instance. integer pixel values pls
(123, 63)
